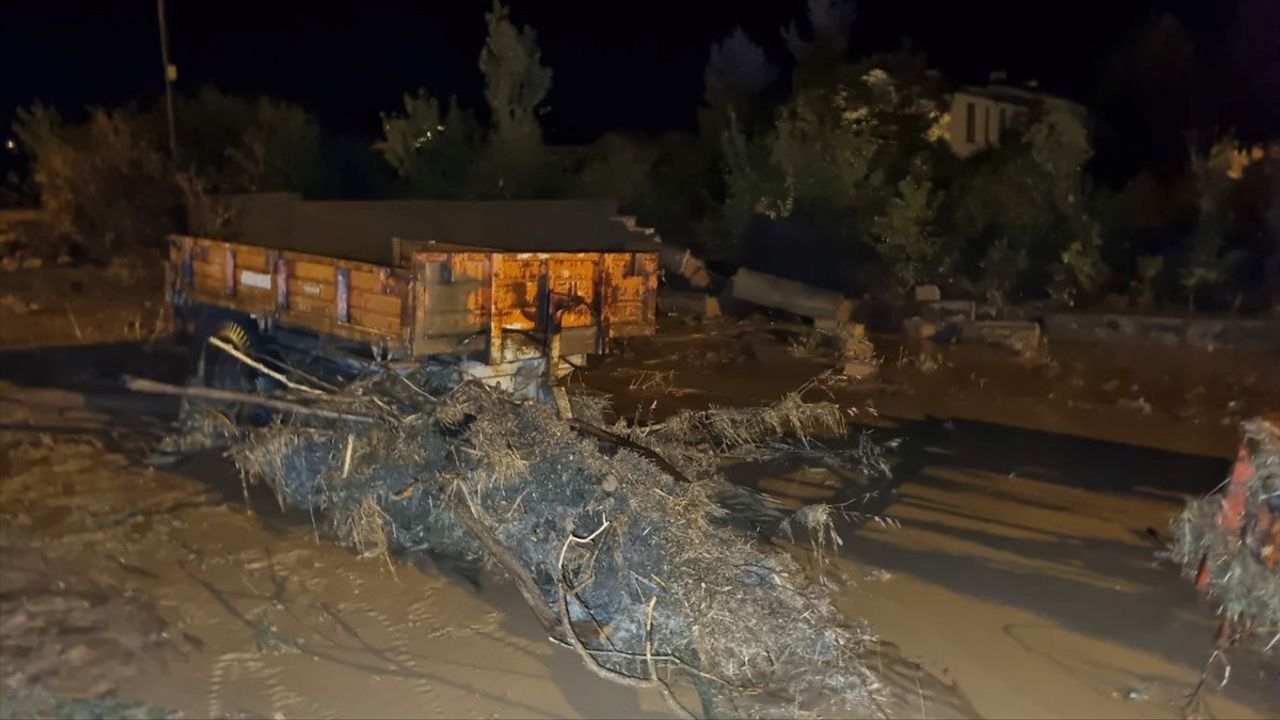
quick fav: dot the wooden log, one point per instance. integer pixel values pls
(153, 387)
(680, 261)
(794, 297)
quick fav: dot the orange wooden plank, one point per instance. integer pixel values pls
(368, 281)
(373, 302)
(208, 269)
(250, 258)
(263, 298)
(306, 270)
(381, 323)
(318, 306)
(315, 289)
(210, 285)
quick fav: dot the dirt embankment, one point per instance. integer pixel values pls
(1178, 399)
(122, 301)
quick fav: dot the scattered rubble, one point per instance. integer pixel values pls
(857, 354)
(1141, 405)
(1020, 336)
(927, 293)
(918, 329)
(949, 311)
(846, 345)
(16, 305)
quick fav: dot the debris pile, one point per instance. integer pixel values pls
(857, 353)
(1021, 337)
(845, 344)
(1230, 541)
(612, 533)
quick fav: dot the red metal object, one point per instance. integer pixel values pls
(1226, 632)
(1233, 502)
(1247, 524)
(1202, 575)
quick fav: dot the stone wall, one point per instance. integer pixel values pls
(1250, 334)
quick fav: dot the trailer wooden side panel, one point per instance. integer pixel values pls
(630, 293)
(503, 305)
(355, 301)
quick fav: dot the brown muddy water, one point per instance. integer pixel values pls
(1010, 567)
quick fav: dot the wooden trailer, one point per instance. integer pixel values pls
(477, 305)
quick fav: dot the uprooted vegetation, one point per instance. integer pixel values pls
(616, 536)
(1229, 541)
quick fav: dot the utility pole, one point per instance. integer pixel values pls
(169, 77)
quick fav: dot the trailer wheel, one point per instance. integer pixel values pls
(224, 371)
(220, 369)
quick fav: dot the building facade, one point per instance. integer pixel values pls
(984, 117)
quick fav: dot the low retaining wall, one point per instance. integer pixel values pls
(1255, 335)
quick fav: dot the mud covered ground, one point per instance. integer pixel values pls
(83, 304)
(1019, 575)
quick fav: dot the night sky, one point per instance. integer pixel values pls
(624, 65)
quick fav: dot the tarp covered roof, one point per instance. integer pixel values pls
(362, 230)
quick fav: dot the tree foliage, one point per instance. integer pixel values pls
(1027, 200)
(906, 233)
(616, 167)
(516, 83)
(430, 148)
(848, 167)
(240, 144)
(103, 183)
(859, 149)
(110, 183)
(737, 74)
(826, 45)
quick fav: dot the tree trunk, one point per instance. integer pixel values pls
(794, 297)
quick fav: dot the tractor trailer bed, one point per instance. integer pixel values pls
(477, 304)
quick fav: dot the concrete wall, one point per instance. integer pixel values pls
(1254, 335)
(362, 230)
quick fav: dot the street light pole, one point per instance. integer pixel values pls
(168, 80)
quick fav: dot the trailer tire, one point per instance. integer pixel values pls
(222, 370)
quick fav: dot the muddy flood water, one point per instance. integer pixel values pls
(1011, 568)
